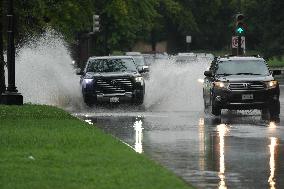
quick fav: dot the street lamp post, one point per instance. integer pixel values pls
(11, 95)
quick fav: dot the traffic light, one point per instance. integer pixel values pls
(240, 26)
(96, 23)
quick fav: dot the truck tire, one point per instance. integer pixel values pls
(138, 100)
(89, 101)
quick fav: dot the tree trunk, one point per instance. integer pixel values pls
(153, 40)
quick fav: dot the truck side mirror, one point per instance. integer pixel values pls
(208, 73)
(79, 72)
(143, 69)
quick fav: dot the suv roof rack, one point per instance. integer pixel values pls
(231, 55)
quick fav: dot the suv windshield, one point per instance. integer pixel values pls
(111, 65)
(242, 67)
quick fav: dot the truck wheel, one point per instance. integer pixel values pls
(89, 101)
(139, 101)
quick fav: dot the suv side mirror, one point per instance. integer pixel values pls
(275, 72)
(208, 73)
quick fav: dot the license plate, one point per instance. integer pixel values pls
(247, 96)
(114, 99)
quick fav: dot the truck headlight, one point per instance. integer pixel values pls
(271, 84)
(88, 81)
(139, 79)
(220, 84)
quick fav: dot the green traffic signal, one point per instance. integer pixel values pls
(240, 30)
(240, 25)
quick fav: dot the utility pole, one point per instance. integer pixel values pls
(11, 95)
(2, 62)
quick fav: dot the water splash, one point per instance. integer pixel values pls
(175, 87)
(45, 75)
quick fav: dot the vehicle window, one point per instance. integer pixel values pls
(139, 60)
(111, 65)
(241, 67)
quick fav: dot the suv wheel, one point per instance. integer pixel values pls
(215, 109)
(274, 109)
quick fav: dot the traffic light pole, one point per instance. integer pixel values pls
(239, 49)
(11, 95)
(11, 50)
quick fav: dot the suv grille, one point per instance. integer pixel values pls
(251, 86)
(113, 85)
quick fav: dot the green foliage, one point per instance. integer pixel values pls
(266, 25)
(124, 22)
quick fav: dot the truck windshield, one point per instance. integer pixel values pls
(242, 67)
(139, 60)
(111, 65)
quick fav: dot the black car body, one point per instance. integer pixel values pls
(112, 79)
(240, 83)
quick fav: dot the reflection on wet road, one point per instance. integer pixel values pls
(239, 150)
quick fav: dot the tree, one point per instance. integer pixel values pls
(266, 24)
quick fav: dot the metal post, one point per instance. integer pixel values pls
(11, 95)
(11, 49)
(239, 46)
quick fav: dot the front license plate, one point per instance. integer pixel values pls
(247, 96)
(114, 99)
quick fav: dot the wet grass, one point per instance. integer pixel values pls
(44, 147)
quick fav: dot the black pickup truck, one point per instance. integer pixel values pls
(112, 79)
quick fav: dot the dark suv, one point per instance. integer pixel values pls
(240, 83)
(112, 79)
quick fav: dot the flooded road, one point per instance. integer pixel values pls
(239, 150)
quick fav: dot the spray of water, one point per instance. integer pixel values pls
(176, 87)
(45, 75)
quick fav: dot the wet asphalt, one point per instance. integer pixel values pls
(237, 150)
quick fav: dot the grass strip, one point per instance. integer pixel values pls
(45, 147)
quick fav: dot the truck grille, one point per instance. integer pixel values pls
(113, 85)
(249, 86)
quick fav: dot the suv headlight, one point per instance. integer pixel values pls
(271, 84)
(220, 84)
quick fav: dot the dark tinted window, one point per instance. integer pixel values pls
(111, 65)
(235, 67)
